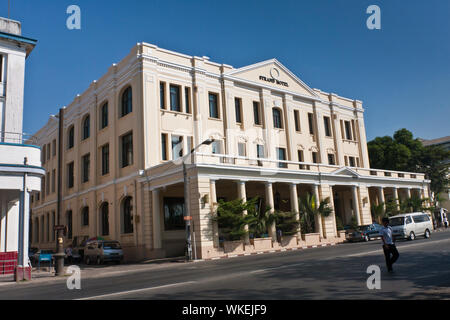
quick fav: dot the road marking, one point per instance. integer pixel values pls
(136, 291)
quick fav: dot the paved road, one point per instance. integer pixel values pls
(339, 272)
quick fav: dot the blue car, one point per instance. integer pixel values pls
(365, 233)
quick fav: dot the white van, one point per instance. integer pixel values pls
(411, 225)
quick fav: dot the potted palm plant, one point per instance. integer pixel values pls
(310, 212)
(288, 227)
(260, 220)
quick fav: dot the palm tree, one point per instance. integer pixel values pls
(378, 211)
(260, 218)
(310, 212)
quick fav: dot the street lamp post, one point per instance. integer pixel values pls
(187, 216)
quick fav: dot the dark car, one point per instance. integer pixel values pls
(365, 233)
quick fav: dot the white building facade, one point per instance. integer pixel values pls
(20, 163)
(274, 138)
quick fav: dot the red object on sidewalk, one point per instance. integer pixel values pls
(8, 262)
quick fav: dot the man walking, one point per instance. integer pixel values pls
(388, 245)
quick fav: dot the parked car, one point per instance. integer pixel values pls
(100, 251)
(410, 225)
(365, 233)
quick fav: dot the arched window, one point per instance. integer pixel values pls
(85, 216)
(277, 121)
(104, 116)
(71, 137)
(104, 211)
(86, 127)
(127, 102)
(127, 215)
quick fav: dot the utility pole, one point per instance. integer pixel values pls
(59, 256)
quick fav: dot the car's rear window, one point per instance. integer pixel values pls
(397, 221)
(111, 245)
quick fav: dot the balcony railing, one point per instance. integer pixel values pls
(300, 166)
(17, 138)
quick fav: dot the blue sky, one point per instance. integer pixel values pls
(401, 72)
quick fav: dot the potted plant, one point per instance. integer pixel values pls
(287, 228)
(260, 220)
(310, 212)
(232, 222)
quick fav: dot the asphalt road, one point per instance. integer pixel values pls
(338, 272)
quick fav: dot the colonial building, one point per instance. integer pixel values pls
(20, 166)
(274, 137)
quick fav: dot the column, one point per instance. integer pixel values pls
(318, 218)
(396, 198)
(381, 198)
(213, 203)
(356, 204)
(294, 206)
(156, 212)
(320, 133)
(289, 127)
(270, 202)
(337, 135)
(242, 194)
(24, 217)
(408, 193)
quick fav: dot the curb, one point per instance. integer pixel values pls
(226, 256)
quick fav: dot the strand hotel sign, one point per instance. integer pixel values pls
(274, 75)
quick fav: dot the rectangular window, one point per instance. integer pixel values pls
(353, 130)
(348, 130)
(48, 151)
(86, 167)
(241, 149)
(213, 107)
(105, 159)
(173, 214)
(177, 147)
(357, 162)
(352, 161)
(54, 147)
(216, 147)
(164, 146)
(43, 154)
(260, 151)
(187, 99)
(281, 155)
(256, 113)
(70, 175)
(104, 116)
(175, 98)
(238, 109)
(327, 125)
(127, 150)
(297, 120)
(301, 159)
(331, 159)
(162, 95)
(311, 123)
(314, 157)
(47, 186)
(54, 180)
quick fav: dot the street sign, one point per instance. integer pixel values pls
(186, 218)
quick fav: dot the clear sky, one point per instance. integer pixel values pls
(401, 72)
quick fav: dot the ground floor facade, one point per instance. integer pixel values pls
(144, 211)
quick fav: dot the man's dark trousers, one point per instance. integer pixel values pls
(390, 260)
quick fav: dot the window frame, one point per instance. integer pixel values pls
(125, 110)
(216, 101)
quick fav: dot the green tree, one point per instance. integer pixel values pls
(309, 211)
(260, 218)
(404, 153)
(378, 212)
(231, 219)
(287, 223)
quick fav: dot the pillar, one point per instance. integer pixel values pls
(396, 198)
(381, 198)
(318, 218)
(356, 204)
(408, 193)
(242, 194)
(213, 204)
(156, 211)
(294, 206)
(270, 202)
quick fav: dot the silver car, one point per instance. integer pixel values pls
(100, 251)
(411, 225)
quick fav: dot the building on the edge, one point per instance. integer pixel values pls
(20, 164)
(443, 142)
(275, 137)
